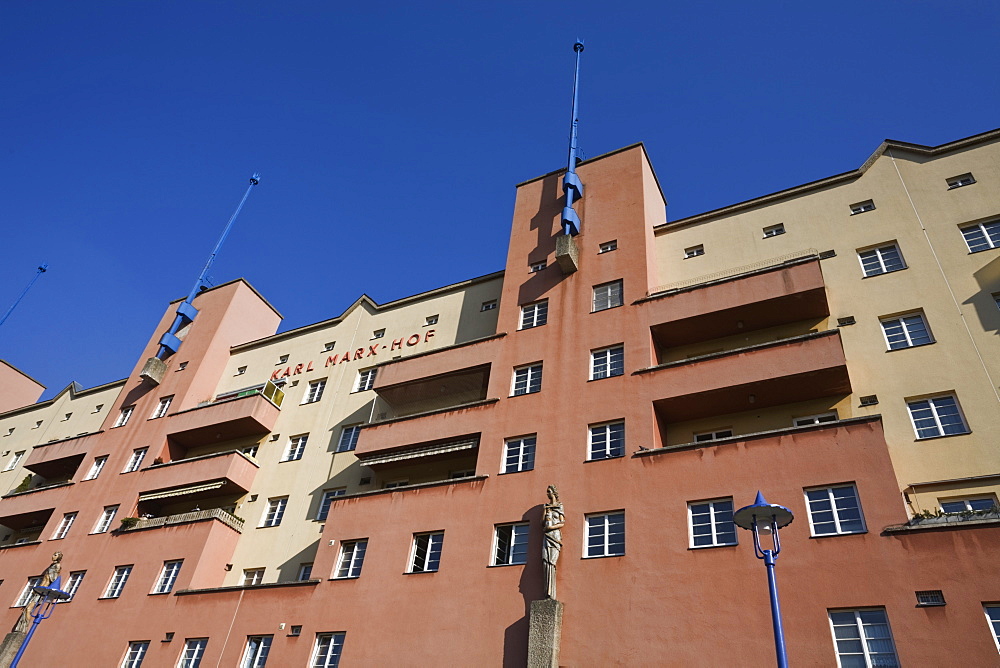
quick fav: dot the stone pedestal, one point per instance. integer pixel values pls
(153, 371)
(544, 633)
(8, 648)
(567, 254)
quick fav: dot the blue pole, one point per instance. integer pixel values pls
(41, 270)
(27, 638)
(779, 631)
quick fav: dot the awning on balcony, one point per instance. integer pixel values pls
(425, 451)
(182, 491)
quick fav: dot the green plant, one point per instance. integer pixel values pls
(128, 522)
(25, 484)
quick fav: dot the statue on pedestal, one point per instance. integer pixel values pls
(553, 520)
(46, 578)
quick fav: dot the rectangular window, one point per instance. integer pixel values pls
(315, 392)
(252, 576)
(982, 236)
(881, 260)
(161, 408)
(534, 315)
(328, 649)
(64, 526)
(275, 511)
(349, 438)
(393, 484)
(834, 511)
(117, 582)
(194, 650)
(104, 523)
(993, 619)
(527, 380)
(605, 535)
(305, 571)
(815, 419)
(329, 345)
(324, 505)
(774, 230)
(123, 417)
(366, 380)
(937, 416)
(168, 576)
(489, 305)
(14, 461)
(73, 583)
(607, 295)
(282, 359)
(255, 654)
(960, 180)
(694, 251)
(519, 454)
(510, 544)
(930, 597)
(250, 450)
(240, 371)
(607, 247)
(971, 504)
(67, 417)
(135, 460)
(862, 638)
(27, 592)
(711, 523)
(712, 435)
(906, 331)
(378, 334)
(607, 362)
(606, 441)
(426, 553)
(135, 654)
(430, 320)
(862, 207)
(536, 267)
(462, 473)
(296, 446)
(351, 559)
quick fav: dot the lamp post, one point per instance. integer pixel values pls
(42, 609)
(766, 518)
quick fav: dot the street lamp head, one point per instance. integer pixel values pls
(763, 514)
(52, 592)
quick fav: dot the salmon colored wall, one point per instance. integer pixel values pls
(17, 389)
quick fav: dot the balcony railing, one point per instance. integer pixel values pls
(232, 521)
(250, 415)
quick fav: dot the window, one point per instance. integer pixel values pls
(862, 207)
(606, 441)
(315, 392)
(607, 246)
(607, 362)
(960, 180)
(711, 523)
(96, 467)
(324, 505)
(14, 461)
(694, 251)
(305, 571)
(275, 511)
(27, 592)
(135, 461)
(123, 417)
(774, 230)
(250, 450)
(968, 505)
(862, 638)
(240, 371)
(510, 544)
(834, 511)
(9, 431)
(881, 260)
(489, 305)
(378, 334)
(194, 650)
(117, 583)
(135, 654)
(328, 649)
(161, 408)
(605, 535)
(255, 655)
(519, 454)
(993, 619)
(252, 576)
(527, 380)
(351, 559)
(937, 416)
(608, 295)
(296, 446)
(982, 236)
(906, 331)
(536, 267)
(64, 526)
(182, 366)
(168, 576)
(462, 473)
(430, 320)
(73, 584)
(366, 380)
(712, 435)
(534, 315)
(37, 424)
(349, 438)
(328, 346)
(98, 407)
(930, 597)
(426, 555)
(393, 484)
(68, 416)
(105, 522)
(815, 419)
(282, 360)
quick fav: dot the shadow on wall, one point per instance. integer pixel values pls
(473, 321)
(515, 637)
(289, 570)
(985, 301)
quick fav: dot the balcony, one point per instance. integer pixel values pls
(438, 362)
(222, 473)
(799, 368)
(60, 459)
(414, 431)
(32, 506)
(232, 521)
(251, 415)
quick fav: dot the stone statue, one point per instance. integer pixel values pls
(553, 520)
(46, 579)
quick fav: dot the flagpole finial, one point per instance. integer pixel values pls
(578, 46)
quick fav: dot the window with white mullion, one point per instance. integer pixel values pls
(605, 535)
(315, 392)
(14, 461)
(711, 523)
(73, 584)
(519, 454)
(352, 558)
(96, 467)
(366, 380)
(136, 653)
(906, 331)
(255, 654)
(135, 460)
(104, 523)
(607, 362)
(27, 592)
(328, 649)
(118, 580)
(982, 236)
(296, 446)
(349, 438)
(881, 260)
(194, 650)
(64, 526)
(816, 419)
(327, 500)
(426, 552)
(608, 295)
(161, 408)
(534, 315)
(834, 511)
(168, 576)
(527, 380)
(275, 511)
(937, 416)
(862, 638)
(993, 619)
(606, 441)
(969, 505)
(510, 544)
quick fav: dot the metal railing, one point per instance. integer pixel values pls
(232, 521)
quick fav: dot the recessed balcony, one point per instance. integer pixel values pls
(453, 424)
(222, 473)
(60, 459)
(252, 415)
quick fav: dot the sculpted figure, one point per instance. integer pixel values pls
(553, 520)
(47, 578)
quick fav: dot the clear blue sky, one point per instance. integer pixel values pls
(390, 136)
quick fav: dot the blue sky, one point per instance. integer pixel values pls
(390, 136)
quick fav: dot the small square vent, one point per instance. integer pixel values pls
(930, 597)
(869, 400)
(844, 322)
(827, 254)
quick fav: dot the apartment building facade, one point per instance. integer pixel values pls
(368, 489)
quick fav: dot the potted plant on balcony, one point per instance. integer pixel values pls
(128, 523)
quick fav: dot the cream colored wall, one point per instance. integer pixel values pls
(281, 549)
(966, 356)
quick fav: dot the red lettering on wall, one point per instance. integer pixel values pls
(310, 367)
(287, 373)
(346, 357)
(331, 360)
(359, 353)
(428, 335)
(274, 374)
(411, 342)
(372, 350)
(298, 369)
(396, 343)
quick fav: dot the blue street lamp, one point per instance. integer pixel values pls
(42, 609)
(766, 518)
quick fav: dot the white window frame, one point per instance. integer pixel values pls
(531, 375)
(162, 407)
(936, 404)
(992, 612)
(598, 525)
(534, 314)
(519, 454)
(65, 524)
(14, 460)
(960, 181)
(967, 503)
(906, 325)
(489, 305)
(315, 391)
(431, 543)
(536, 267)
(252, 576)
(818, 418)
(431, 320)
(305, 571)
(135, 653)
(608, 296)
(607, 247)
(862, 637)
(607, 362)
(772, 231)
(716, 522)
(117, 582)
(193, 653)
(610, 432)
(510, 544)
(879, 254)
(327, 651)
(377, 334)
(714, 435)
(274, 512)
(694, 251)
(324, 505)
(73, 584)
(256, 651)
(240, 371)
(838, 519)
(990, 231)
(124, 416)
(862, 207)
(329, 345)
(365, 380)
(348, 440)
(104, 522)
(296, 446)
(168, 576)
(96, 467)
(351, 559)
(25, 595)
(135, 460)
